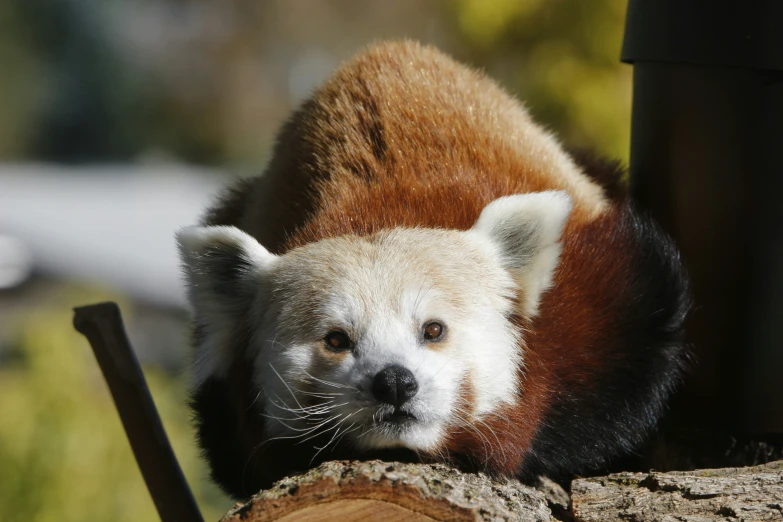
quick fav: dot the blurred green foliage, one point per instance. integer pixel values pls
(63, 453)
(20, 65)
(210, 84)
(562, 57)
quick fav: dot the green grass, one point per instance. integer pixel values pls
(63, 453)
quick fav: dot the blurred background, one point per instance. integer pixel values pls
(120, 120)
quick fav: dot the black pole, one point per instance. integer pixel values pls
(102, 325)
(707, 161)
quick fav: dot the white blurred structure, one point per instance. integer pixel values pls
(108, 224)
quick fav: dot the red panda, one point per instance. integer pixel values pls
(423, 273)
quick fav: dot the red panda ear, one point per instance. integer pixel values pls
(527, 229)
(224, 267)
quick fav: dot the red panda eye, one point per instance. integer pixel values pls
(338, 341)
(433, 331)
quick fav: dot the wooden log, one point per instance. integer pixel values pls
(375, 490)
(727, 494)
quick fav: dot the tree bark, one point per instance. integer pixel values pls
(728, 494)
(375, 490)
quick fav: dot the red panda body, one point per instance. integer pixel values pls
(403, 137)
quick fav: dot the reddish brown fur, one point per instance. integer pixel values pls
(402, 136)
(566, 344)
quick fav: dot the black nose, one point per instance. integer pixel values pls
(394, 385)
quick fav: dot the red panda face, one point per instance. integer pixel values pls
(391, 340)
(376, 339)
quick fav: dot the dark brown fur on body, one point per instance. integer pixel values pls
(402, 136)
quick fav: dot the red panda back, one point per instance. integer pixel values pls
(402, 136)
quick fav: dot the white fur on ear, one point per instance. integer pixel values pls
(224, 268)
(527, 229)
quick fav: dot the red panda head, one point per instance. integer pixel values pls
(394, 340)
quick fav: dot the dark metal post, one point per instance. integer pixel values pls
(102, 325)
(707, 161)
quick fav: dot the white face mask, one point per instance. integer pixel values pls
(384, 341)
